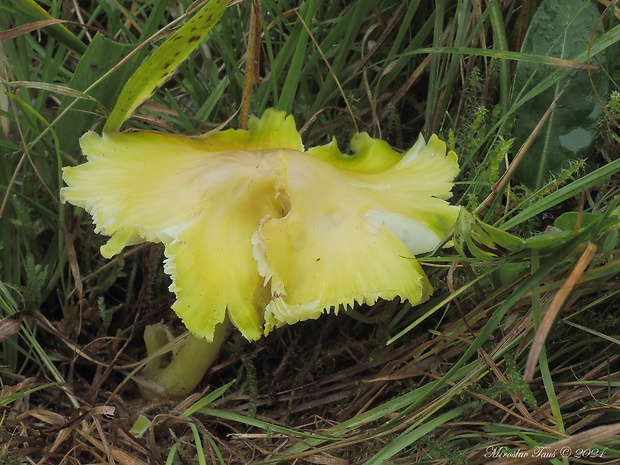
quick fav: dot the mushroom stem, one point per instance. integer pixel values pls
(188, 365)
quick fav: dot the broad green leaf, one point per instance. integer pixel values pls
(561, 29)
(163, 63)
(572, 221)
(101, 56)
(34, 12)
(575, 221)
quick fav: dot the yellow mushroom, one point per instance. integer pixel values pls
(262, 232)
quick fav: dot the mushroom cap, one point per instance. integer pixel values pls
(258, 228)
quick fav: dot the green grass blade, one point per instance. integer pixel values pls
(485, 333)
(385, 410)
(35, 12)
(343, 33)
(295, 48)
(409, 437)
(208, 399)
(543, 362)
(573, 189)
(501, 45)
(198, 443)
(268, 427)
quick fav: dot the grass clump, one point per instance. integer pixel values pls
(449, 386)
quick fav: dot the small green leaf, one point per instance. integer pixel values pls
(474, 238)
(561, 29)
(163, 63)
(140, 426)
